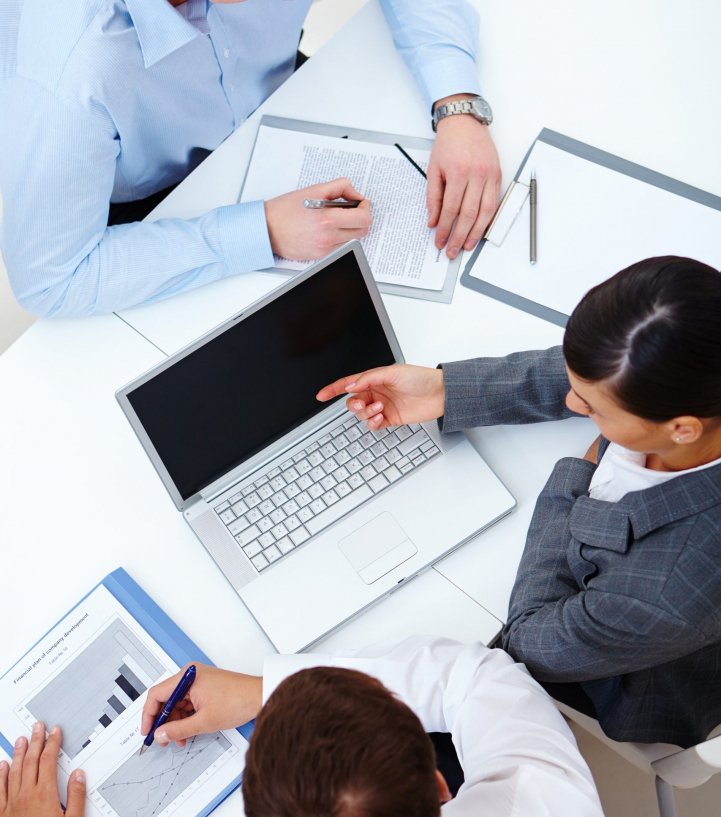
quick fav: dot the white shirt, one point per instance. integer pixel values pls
(518, 755)
(622, 471)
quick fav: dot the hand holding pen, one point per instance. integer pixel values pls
(218, 699)
(304, 232)
(178, 695)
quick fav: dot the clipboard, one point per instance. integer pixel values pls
(588, 232)
(443, 295)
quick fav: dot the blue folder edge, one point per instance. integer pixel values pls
(164, 631)
(601, 157)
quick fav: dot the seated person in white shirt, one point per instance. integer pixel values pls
(346, 737)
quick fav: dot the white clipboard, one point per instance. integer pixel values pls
(597, 214)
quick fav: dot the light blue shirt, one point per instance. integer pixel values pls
(112, 100)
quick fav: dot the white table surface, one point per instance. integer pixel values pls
(79, 496)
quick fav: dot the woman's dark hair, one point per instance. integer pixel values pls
(653, 332)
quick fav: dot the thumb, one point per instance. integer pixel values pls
(76, 794)
(180, 729)
(339, 188)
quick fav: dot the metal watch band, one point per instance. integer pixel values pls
(463, 106)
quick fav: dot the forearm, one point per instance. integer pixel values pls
(140, 263)
(438, 42)
(524, 387)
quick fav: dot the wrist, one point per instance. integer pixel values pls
(461, 106)
(452, 98)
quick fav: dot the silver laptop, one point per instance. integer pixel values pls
(310, 516)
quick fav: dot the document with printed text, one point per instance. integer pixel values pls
(90, 675)
(400, 247)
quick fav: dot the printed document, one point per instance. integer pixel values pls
(399, 245)
(90, 675)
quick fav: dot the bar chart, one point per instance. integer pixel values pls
(96, 688)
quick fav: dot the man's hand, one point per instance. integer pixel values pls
(218, 699)
(391, 395)
(302, 234)
(29, 788)
(464, 181)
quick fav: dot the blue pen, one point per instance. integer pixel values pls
(178, 694)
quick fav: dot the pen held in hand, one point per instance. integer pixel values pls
(534, 218)
(177, 696)
(321, 204)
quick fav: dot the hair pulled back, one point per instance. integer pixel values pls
(653, 333)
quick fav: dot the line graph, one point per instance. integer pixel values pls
(145, 786)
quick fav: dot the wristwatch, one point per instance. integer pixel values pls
(477, 107)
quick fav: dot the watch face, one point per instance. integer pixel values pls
(482, 108)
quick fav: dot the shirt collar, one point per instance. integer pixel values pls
(160, 27)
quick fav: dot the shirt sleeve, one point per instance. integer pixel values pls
(524, 387)
(439, 43)
(517, 754)
(57, 167)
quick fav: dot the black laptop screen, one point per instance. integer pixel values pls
(257, 380)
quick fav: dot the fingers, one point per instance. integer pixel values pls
(452, 198)
(76, 794)
(363, 409)
(434, 196)
(467, 216)
(341, 188)
(357, 383)
(157, 696)
(16, 769)
(47, 768)
(32, 757)
(489, 204)
(179, 730)
(4, 771)
(337, 387)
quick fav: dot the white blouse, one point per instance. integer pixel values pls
(622, 471)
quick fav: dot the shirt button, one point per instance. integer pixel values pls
(226, 52)
(232, 87)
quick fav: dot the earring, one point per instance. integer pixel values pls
(677, 439)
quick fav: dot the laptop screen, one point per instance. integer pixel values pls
(257, 380)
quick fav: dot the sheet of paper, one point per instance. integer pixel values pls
(592, 222)
(399, 245)
(90, 676)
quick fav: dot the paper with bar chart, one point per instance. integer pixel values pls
(89, 675)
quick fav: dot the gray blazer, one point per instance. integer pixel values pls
(624, 597)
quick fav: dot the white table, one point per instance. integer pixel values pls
(79, 496)
(638, 80)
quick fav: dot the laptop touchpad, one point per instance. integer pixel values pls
(377, 547)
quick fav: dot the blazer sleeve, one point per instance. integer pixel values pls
(563, 632)
(525, 387)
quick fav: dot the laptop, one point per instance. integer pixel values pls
(310, 516)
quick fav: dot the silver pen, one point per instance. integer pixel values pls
(319, 204)
(534, 208)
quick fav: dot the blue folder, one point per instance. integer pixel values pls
(165, 632)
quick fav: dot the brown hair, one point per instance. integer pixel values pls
(336, 743)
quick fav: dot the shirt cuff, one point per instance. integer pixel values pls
(244, 236)
(447, 76)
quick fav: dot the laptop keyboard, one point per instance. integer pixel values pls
(313, 488)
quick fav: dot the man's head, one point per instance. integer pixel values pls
(336, 743)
